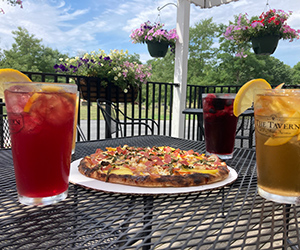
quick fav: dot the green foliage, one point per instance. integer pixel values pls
(212, 59)
(162, 68)
(28, 54)
(202, 52)
(296, 74)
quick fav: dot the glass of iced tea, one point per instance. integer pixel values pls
(219, 124)
(41, 121)
(277, 135)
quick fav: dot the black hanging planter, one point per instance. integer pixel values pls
(157, 49)
(265, 45)
(91, 89)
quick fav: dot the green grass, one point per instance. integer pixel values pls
(93, 111)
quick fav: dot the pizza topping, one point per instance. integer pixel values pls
(154, 165)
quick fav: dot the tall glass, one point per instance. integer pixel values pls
(219, 123)
(41, 121)
(277, 133)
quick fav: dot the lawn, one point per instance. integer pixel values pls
(93, 111)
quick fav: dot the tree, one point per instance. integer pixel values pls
(163, 68)
(296, 74)
(201, 55)
(213, 60)
(202, 52)
(28, 54)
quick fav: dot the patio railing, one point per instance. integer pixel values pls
(154, 100)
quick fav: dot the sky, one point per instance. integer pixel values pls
(77, 26)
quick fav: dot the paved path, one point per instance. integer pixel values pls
(83, 125)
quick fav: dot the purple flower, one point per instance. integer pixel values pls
(153, 32)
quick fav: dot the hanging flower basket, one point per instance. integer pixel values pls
(157, 38)
(99, 70)
(263, 31)
(157, 49)
(264, 45)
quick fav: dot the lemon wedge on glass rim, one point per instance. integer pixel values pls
(244, 97)
(11, 75)
(244, 100)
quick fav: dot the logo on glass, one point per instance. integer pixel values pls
(15, 122)
(279, 125)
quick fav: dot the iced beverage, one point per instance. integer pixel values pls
(219, 123)
(277, 133)
(41, 121)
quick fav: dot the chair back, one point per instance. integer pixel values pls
(111, 114)
(81, 134)
(245, 129)
(5, 141)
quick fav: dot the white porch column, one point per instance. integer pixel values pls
(181, 66)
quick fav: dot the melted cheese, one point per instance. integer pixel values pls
(122, 171)
(202, 171)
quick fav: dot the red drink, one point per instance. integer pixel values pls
(41, 120)
(220, 124)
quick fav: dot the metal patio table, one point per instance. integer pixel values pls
(231, 217)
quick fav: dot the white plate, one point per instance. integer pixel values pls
(77, 178)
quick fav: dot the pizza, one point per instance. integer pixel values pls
(153, 167)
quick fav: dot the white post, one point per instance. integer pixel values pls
(181, 67)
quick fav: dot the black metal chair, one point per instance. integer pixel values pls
(5, 141)
(245, 128)
(116, 120)
(81, 134)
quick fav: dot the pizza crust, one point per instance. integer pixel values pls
(175, 180)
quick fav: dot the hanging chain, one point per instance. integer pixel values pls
(158, 19)
(160, 8)
(267, 7)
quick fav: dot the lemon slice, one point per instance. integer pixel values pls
(279, 86)
(276, 138)
(48, 88)
(11, 75)
(245, 95)
(30, 101)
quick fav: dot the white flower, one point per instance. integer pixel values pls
(115, 78)
(60, 59)
(125, 91)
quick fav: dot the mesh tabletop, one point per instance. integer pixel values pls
(232, 217)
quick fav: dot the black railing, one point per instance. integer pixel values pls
(152, 100)
(194, 100)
